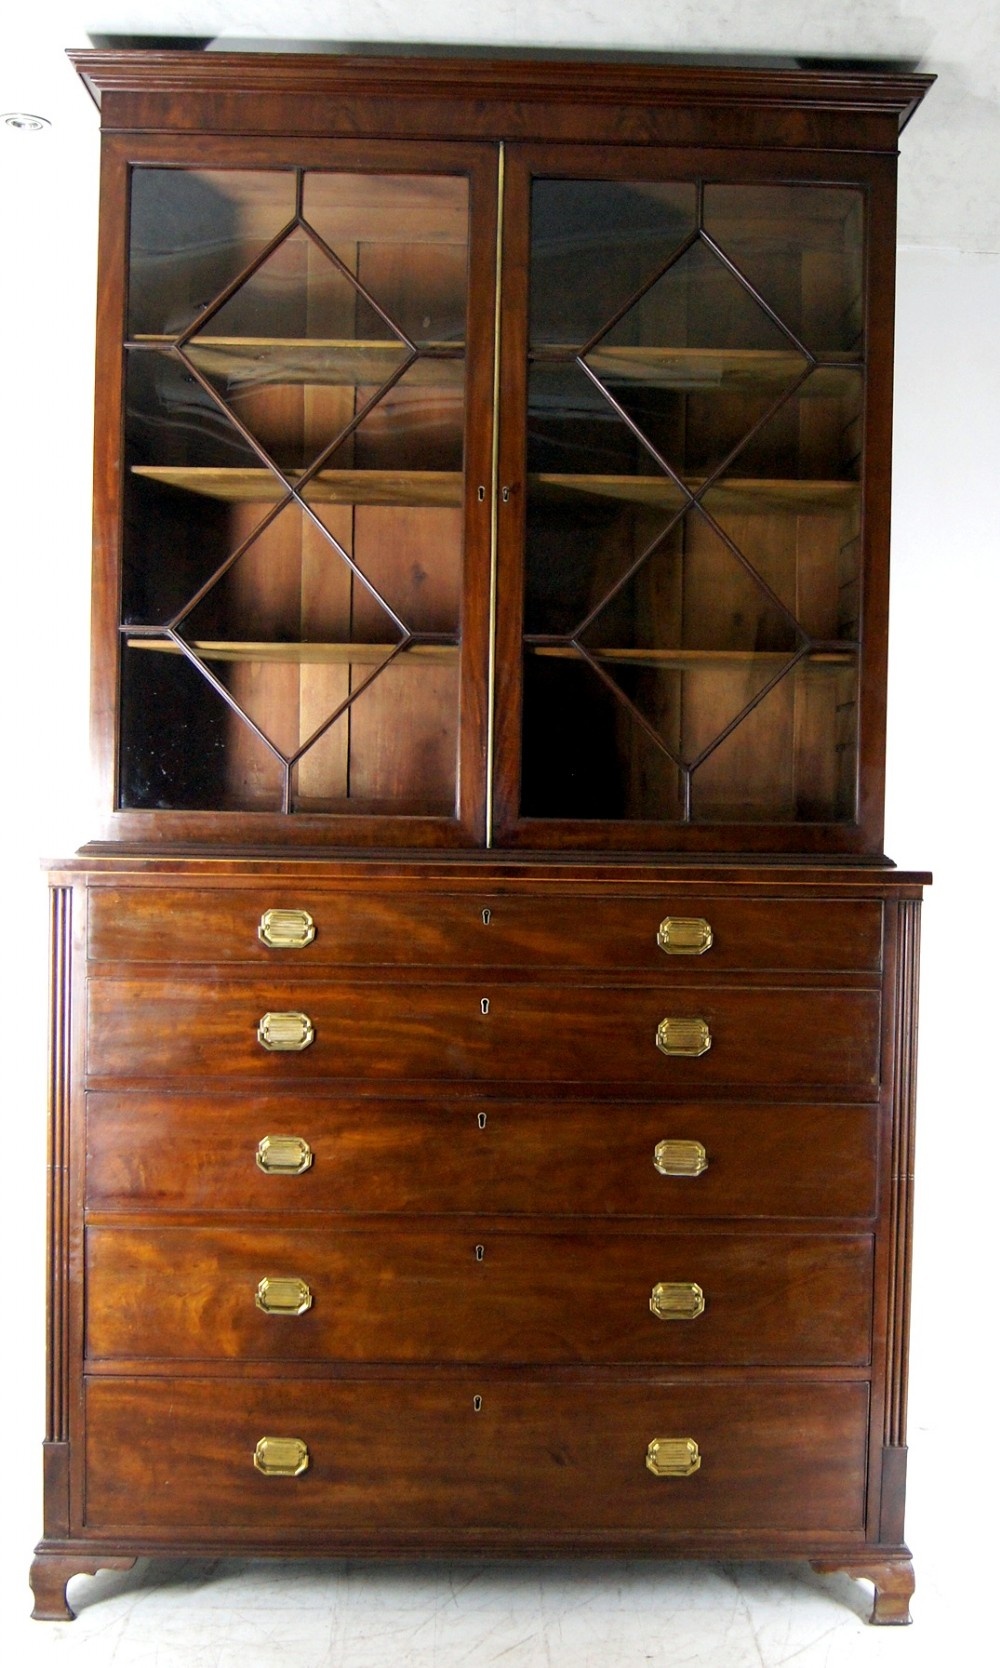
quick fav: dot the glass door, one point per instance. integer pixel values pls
(690, 595)
(297, 524)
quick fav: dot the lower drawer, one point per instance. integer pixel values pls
(470, 1294)
(200, 1153)
(165, 1455)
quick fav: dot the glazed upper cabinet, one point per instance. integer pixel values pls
(485, 491)
(307, 489)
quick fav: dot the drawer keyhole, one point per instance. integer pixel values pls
(480, 1253)
(487, 917)
(485, 1005)
(481, 1120)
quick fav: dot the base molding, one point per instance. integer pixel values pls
(892, 1577)
(890, 1573)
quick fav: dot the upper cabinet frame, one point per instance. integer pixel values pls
(503, 127)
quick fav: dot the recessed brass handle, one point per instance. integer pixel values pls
(673, 1456)
(281, 1296)
(283, 1155)
(680, 1158)
(285, 1033)
(677, 1300)
(688, 1037)
(286, 929)
(281, 1456)
(684, 935)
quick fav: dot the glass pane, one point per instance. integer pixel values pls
(191, 233)
(801, 247)
(692, 606)
(181, 746)
(594, 244)
(188, 467)
(596, 498)
(583, 753)
(303, 376)
(368, 761)
(406, 239)
(792, 759)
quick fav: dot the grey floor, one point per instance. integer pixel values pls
(233, 1614)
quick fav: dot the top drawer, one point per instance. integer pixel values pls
(426, 928)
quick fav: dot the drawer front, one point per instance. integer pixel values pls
(172, 1454)
(426, 928)
(205, 1153)
(473, 1294)
(486, 1032)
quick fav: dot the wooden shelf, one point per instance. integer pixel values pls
(731, 494)
(442, 489)
(331, 362)
(689, 660)
(704, 369)
(302, 654)
(342, 361)
(416, 488)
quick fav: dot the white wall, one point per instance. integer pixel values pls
(942, 806)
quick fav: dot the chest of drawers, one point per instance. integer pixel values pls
(477, 1265)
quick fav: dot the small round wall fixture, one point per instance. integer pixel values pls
(24, 122)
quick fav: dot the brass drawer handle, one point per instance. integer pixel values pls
(680, 1158)
(283, 1296)
(677, 1300)
(283, 1155)
(684, 935)
(285, 1033)
(286, 929)
(673, 1456)
(281, 1456)
(689, 1037)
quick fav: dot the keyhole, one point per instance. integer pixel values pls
(487, 917)
(481, 494)
(481, 1120)
(485, 1004)
(480, 1253)
(477, 1404)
